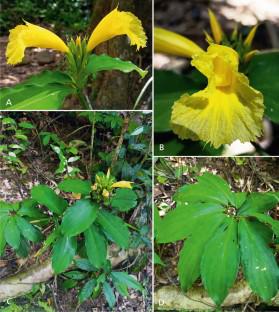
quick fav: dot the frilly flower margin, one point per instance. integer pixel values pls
(228, 109)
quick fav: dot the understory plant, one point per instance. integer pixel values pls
(14, 141)
(47, 90)
(223, 97)
(224, 232)
(81, 230)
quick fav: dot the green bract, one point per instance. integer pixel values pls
(223, 232)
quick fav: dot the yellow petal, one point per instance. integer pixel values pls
(29, 35)
(94, 187)
(220, 115)
(215, 27)
(219, 64)
(122, 184)
(118, 23)
(78, 41)
(169, 42)
(249, 39)
(105, 193)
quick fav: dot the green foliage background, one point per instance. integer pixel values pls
(70, 14)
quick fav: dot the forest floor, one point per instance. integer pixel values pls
(243, 174)
(41, 165)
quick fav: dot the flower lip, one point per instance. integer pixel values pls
(118, 23)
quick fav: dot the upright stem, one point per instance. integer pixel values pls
(84, 100)
(92, 143)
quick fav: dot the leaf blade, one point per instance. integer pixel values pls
(79, 217)
(260, 268)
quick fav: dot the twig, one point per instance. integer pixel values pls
(92, 143)
(142, 92)
(120, 140)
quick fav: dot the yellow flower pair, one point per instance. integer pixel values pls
(114, 24)
(228, 108)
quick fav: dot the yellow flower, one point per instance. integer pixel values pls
(105, 193)
(166, 41)
(78, 41)
(215, 27)
(226, 110)
(114, 24)
(118, 23)
(29, 35)
(94, 187)
(122, 184)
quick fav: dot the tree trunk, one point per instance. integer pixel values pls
(114, 89)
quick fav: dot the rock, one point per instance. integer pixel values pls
(45, 57)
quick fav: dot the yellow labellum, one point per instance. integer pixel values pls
(215, 27)
(29, 35)
(226, 110)
(169, 42)
(118, 23)
(122, 184)
(249, 39)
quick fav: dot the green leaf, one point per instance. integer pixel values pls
(75, 186)
(29, 208)
(239, 199)
(212, 187)
(28, 230)
(96, 247)
(158, 260)
(258, 202)
(263, 75)
(3, 222)
(260, 267)
(109, 294)
(47, 197)
(84, 265)
(125, 278)
(169, 87)
(23, 249)
(75, 275)
(104, 62)
(12, 233)
(224, 243)
(69, 283)
(63, 253)
(114, 228)
(47, 77)
(268, 220)
(87, 290)
(26, 125)
(5, 208)
(182, 221)
(79, 217)
(124, 199)
(191, 254)
(122, 289)
(31, 97)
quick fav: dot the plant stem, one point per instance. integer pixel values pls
(142, 92)
(92, 143)
(84, 100)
